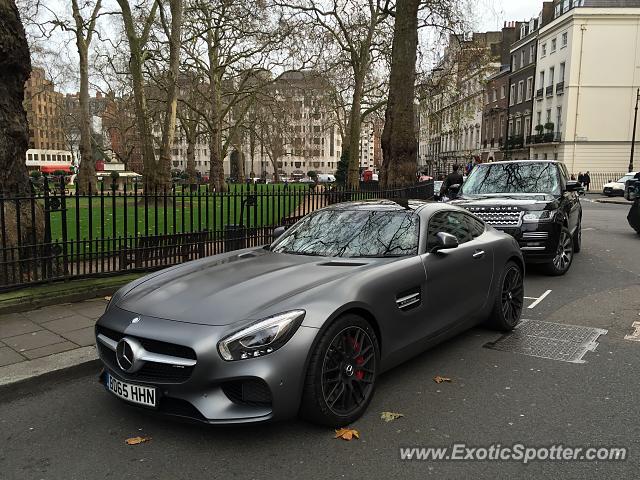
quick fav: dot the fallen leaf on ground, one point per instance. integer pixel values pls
(347, 434)
(136, 440)
(390, 416)
(439, 379)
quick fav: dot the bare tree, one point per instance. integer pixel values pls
(360, 30)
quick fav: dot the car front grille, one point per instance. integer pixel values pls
(538, 236)
(253, 392)
(150, 371)
(499, 216)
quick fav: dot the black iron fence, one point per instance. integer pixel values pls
(58, 234)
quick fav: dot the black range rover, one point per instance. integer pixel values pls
(532, 200)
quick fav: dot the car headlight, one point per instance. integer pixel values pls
(261, 338)
(538, 216)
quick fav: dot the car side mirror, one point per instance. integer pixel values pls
(278, 231)
(453, 190)
(573, 186)
(444, 241)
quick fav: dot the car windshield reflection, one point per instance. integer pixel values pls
(353, 233)
(527, 177)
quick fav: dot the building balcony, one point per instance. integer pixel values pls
(514, 142)
(549, 91)
(559, 88)
(548, 137)
(540, 93)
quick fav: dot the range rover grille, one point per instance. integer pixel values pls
(499, 216)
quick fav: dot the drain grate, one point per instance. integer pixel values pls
(555, 341)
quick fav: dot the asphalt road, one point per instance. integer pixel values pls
(75, 430)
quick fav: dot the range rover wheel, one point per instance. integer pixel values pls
(564, 254)
(507, 306)
(342, 373)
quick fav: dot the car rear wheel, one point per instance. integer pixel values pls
(563, 256)
(507, 307)
(342, 373)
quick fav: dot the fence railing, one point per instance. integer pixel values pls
(54, 234)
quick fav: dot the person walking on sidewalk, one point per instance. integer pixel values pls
(587, 180)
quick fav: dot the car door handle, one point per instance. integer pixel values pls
(478, 254)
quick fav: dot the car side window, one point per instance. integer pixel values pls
(476, 226)
(448, 221)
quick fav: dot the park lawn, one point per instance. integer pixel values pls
(111, 217)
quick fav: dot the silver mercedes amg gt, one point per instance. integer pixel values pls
(307, 324)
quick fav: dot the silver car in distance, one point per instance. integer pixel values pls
(306, 325)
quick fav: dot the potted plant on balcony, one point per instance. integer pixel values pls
(549, 126)
(539, 133)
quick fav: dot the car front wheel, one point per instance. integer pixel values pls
(563, 256)
(342, 373)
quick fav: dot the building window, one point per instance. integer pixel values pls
(554, 43)
(510, 128)
(503, 91)
(543, 52)
(518, 127)
(542, 79)
(561, 76)
(495, 95)
(522, 59)
(520, 90)
(529, 88)
(558, 118)
(539, 118)
(532, 53)
(552, 71)
(513, 62)
(527, 126)
(512, 94)
(564, 40)
(548, 115)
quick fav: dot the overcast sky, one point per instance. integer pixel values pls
(493, 13)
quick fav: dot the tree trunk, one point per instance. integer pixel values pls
(216, 174)
(399, 143)
(87, 173)
(142, 112)
(15, 67)
(163, 174)
(355, 126)
(191, 160)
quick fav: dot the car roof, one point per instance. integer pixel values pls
(519, 161)
(421, 207)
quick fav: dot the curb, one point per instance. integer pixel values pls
(22, 378)
(57, 293)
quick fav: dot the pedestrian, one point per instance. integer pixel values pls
(581, 178)
(454, 178)
(587, 180)
(286, 184)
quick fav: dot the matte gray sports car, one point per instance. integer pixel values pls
(307, 324)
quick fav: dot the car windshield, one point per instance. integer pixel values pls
(353, 233)
(625, 178)
(516, 177)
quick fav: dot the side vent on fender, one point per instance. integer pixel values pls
(409, 299)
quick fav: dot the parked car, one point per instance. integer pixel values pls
(532, 200)
(326, 178)
(616, 188)
(307, 324)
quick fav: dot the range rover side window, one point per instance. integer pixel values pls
(448, 221)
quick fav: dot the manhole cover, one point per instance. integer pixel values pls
(555, 341)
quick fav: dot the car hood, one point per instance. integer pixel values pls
(225, 289)
(616, 185)
(538, 201)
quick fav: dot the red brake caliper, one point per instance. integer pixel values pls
(359, 360)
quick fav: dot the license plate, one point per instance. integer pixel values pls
(132, 393)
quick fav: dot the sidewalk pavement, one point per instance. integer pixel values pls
(48, 339)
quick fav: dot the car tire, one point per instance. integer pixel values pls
(564, 255)
(342, 372)
(577, 238)
(509, 299)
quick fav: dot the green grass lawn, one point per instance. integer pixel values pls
(119, 217)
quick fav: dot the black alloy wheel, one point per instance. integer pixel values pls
(348, 371)
(512, 295)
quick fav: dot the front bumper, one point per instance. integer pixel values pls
(613, 191)
(538, 241)
(213, 390)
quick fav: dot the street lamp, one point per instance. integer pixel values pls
(633, 137)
